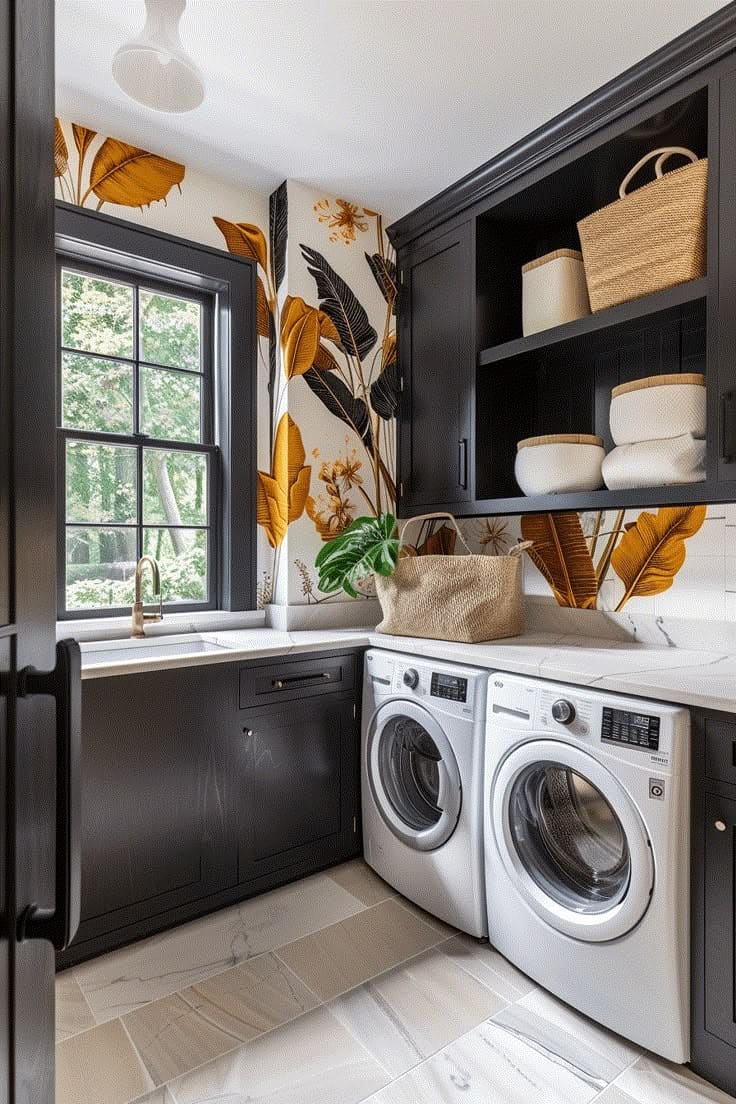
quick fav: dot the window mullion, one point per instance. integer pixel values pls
(139, 539)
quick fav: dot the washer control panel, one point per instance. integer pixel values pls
(621, 726)
(452, 687)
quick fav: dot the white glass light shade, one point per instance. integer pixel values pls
(154, 68)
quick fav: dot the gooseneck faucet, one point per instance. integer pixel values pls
(140, 617)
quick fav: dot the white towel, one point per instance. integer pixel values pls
(655, 463)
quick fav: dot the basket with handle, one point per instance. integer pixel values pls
(467, 598)
(651, 238)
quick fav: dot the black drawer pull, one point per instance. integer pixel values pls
(462, 463)
(282, 684)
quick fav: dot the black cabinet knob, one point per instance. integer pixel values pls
(563, 712)
(411, 678)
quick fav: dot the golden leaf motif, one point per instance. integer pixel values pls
(299, 336)
(282, 494)
(440, 543)
(652, 551)
(263, 314)
(83, 138)
(324, 360)
(129, 176)
(561, 553)
(327, 328)
(245, 239)
(61, 153)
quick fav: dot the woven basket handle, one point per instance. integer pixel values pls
(661, 155)
(403, 526)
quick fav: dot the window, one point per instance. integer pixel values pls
(139, 458)
(147, 397)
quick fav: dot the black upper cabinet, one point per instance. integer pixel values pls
(474, 385)
(437, 370)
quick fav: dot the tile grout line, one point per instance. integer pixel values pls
(143, 1065)
(233, 966)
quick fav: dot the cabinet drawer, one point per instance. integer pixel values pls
(720, 749)
(297, 679)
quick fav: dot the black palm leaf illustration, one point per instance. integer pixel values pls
(385, 392)
(384, 273)
(278, 209)
(341, 402)
(357, 336)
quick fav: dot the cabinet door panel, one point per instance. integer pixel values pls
(296, 780)
(436, 354)
(720, 919)
(154, 824)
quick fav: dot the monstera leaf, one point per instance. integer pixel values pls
(384, 273)
(245, 239)
(652, 550)
(278, 232)
(561, 553)
(341, 402)
(385, 392)
(129, 176)
(61, 153)
(368, 545)
(282, 494)
(357, 336)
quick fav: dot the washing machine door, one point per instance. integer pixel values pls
(413, 775)
(572, 841)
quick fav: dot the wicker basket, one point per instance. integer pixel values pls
(461, 598)
(650, 239)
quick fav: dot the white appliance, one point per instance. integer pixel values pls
(587, 852)
(422, 782)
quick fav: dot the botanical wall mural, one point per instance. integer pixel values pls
(326, 301)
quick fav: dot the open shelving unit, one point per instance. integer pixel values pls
(560, 380)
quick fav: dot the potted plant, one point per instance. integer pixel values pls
(369, 545)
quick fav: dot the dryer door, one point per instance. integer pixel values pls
(571, 840)
(413, 775)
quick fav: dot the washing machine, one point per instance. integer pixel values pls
(422, 783)
(586, 826)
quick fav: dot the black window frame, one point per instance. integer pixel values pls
(226, 285)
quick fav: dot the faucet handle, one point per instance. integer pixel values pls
(159, 615)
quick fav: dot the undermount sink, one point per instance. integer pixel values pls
(127, 651)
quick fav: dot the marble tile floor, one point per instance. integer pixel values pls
(336, 990)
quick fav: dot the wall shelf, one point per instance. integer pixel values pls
(581, 328)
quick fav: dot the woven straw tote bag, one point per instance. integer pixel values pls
(651, 238)
(468, 598)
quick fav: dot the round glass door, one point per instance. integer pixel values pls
(572, 840)
(413, 775)
(569, 838)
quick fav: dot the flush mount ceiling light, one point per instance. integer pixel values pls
(153, 68)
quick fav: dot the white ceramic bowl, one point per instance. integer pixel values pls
(657, 408)
(558, 463)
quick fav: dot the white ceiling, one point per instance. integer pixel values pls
(381, 101)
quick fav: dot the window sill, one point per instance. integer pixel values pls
(117, 628)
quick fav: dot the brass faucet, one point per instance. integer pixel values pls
(140, 617)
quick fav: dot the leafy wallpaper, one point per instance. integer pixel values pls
(326, 304)
(327, 397)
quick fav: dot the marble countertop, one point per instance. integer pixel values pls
(688, 677)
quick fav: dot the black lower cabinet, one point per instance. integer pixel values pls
(191, 802)
(296, 784)
(713, 1052)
